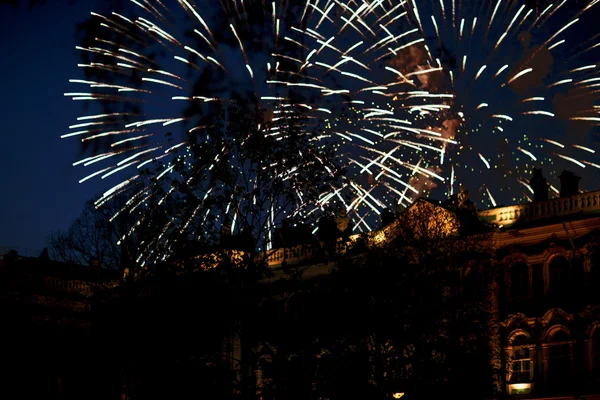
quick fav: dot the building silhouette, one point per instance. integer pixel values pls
(50, 347)
(544, 333)
(547, 293)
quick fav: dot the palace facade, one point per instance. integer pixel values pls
(547, 296)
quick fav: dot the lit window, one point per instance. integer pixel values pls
(519, 388)
(522, 362)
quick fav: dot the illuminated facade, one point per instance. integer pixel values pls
(547, 297)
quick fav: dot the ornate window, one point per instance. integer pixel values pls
(594, 269)
(595, 259)
(559, 358)
(522, 360)
(519, 279)
(521, 353)
(596, 353)
(264, 377)
(558, 277)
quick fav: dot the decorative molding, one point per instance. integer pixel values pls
(552, 330)
(546, 319)
(514, 334)
(518, 318)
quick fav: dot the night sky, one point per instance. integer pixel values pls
(40, 190)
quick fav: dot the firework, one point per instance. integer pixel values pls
(350, 49)
(414, 96)
(162, 80)
(492, 89)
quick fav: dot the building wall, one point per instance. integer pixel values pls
(549, 296)
(545, 341)
(50, 349)
(545, 336)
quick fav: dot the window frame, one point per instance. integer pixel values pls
(527, 347)
(552, 288)
(524, 275)
(594, 353)
(565, 360)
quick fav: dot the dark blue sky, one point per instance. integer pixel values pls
(39, 192)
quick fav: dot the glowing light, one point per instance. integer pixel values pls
(395, 115)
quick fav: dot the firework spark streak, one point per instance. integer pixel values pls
(519, 89)
(413, 95)
(506, 86)
(187, 60)
(509, 86)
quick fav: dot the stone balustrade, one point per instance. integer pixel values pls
(587, 203)
(299, 253)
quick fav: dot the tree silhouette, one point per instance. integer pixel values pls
(93, 239)
(409, 313)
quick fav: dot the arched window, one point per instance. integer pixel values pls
(559, 359)
(594, 264)
(596, 353)
(595, 259)
(559, 277)
(522, 360)
(265, 377)
(519, 279)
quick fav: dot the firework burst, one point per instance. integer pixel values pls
(412, 95)
(479, 92)
(524, 91)
(173, 88)
(350, 49)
